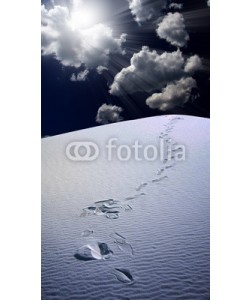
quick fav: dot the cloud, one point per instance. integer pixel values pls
(82, 76)
(149, 71)
(168, 73)
(193, 64)
(101, 69)
(172, 29)
(109, 114)
(175, 94)
(145, 10)
(73, 44)
(174, 5)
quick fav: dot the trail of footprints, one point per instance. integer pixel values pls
(111, 209)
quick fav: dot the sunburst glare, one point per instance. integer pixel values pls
(83, 15)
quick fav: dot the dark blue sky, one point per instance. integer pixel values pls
(69, 106)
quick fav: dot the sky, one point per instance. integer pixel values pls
(106, 61)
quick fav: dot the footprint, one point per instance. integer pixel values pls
(159, 179)
(103, 208)
(127, 207)
(124, 276)
(160, 171)
(169, 167)
(106, 202)
(125, 247)
(113, 215)
(130, 198)
(155, 180)
(122, 244)
(136, 195)
(177, 119)
(168, 141)
(87, 233)
(88, 211)
(142, 185)
(117, 236)
(94, 251)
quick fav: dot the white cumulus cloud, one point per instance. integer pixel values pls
(193, 64)
(168, 73)
(81, 76)
(150, 71)
(172, 29)
(145, 10)
(176, 6)
(101, 69)
(72, 44)
(109, 114)
(175, 94)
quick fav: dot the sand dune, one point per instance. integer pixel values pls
(127, 230)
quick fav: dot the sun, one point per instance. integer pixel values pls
(83, 19)
(83, 15)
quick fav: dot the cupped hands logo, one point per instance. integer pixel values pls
(82, 151)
